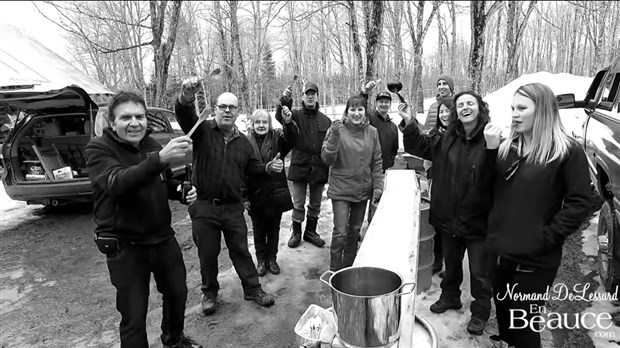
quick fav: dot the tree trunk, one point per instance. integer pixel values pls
(373, 12)
(227, 60)
(479, 16)
(357, 49)
(453, 52)
(162, 49)
(241, 77)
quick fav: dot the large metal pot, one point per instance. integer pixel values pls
(367, 304)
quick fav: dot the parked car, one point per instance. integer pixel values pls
(43, 155)
(601, 141)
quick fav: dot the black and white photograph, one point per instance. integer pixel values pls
(309, 174)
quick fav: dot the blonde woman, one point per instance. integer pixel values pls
(541, 195)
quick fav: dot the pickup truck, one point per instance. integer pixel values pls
(601, 142)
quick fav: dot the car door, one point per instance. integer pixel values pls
(162, 131)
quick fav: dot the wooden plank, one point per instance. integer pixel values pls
(50, 159)
(392, 239)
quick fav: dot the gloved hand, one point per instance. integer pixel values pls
(337, 126)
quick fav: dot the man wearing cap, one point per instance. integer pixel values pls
(445, 89)
(388, 132)
(307, 169)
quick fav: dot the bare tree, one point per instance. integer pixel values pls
(479, 15)
(418, 30)
(356, 41)
(163, 46)
(514, 32)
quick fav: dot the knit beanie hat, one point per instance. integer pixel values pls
(448, 79)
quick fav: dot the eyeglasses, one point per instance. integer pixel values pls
(224, 107)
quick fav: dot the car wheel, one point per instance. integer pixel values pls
(608, 230)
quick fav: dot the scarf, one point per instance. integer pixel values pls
(267, 150)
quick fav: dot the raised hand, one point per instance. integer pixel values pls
(337, 126)
(287, 93)
(287, 114)
(176, 148)
(403, 111)
(370, 85)
(492, 135)
(276, 164)
(190, 87)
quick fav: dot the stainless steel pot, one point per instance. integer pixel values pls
(367, 304)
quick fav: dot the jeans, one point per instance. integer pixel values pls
(526, 281)
(348, 220)
(478, 254)
(299, 199)
(209, 222)
(266, 234)
(130, 273)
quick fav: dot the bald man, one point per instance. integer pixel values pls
(223, 157)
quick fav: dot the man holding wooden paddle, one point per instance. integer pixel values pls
(223, 157)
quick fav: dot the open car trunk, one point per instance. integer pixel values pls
(51, 148)
(44, 153)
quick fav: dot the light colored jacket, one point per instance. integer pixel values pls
(355, 162)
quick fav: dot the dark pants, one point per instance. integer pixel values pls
(453, 252)
(130, 273)
(298, 193)
(266, 225)
(526, 280)
(209, 221)
(437, 249)
(348, 220)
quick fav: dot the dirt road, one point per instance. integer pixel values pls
(55, 290)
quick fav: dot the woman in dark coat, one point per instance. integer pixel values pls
(460, 200)
(444, 107)
(269, 194)
(541, 194)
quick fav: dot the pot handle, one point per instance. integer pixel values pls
(408, 292)
(327, 273)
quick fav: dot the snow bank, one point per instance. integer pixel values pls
(499, 101)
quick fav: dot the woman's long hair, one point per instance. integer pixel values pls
(549, 138)
(483, 111)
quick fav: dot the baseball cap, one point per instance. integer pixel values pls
(384, 95)
(311, 85)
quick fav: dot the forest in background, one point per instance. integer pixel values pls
(150, 46)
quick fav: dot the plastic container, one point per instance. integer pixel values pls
(324, 332)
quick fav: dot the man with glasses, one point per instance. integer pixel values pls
(223, 157)
(307, 169)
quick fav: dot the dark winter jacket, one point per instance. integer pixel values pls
(263, 189)
(462, 174)
(433, 115)
(388, 134)
(538, 207)
(220, 169)
(306, 163)
(131, 188)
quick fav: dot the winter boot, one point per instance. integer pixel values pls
(295, 239)
(310, 234)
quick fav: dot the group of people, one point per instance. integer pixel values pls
(509, 203)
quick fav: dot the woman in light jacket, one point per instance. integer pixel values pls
(352, 149)
(541, 194)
